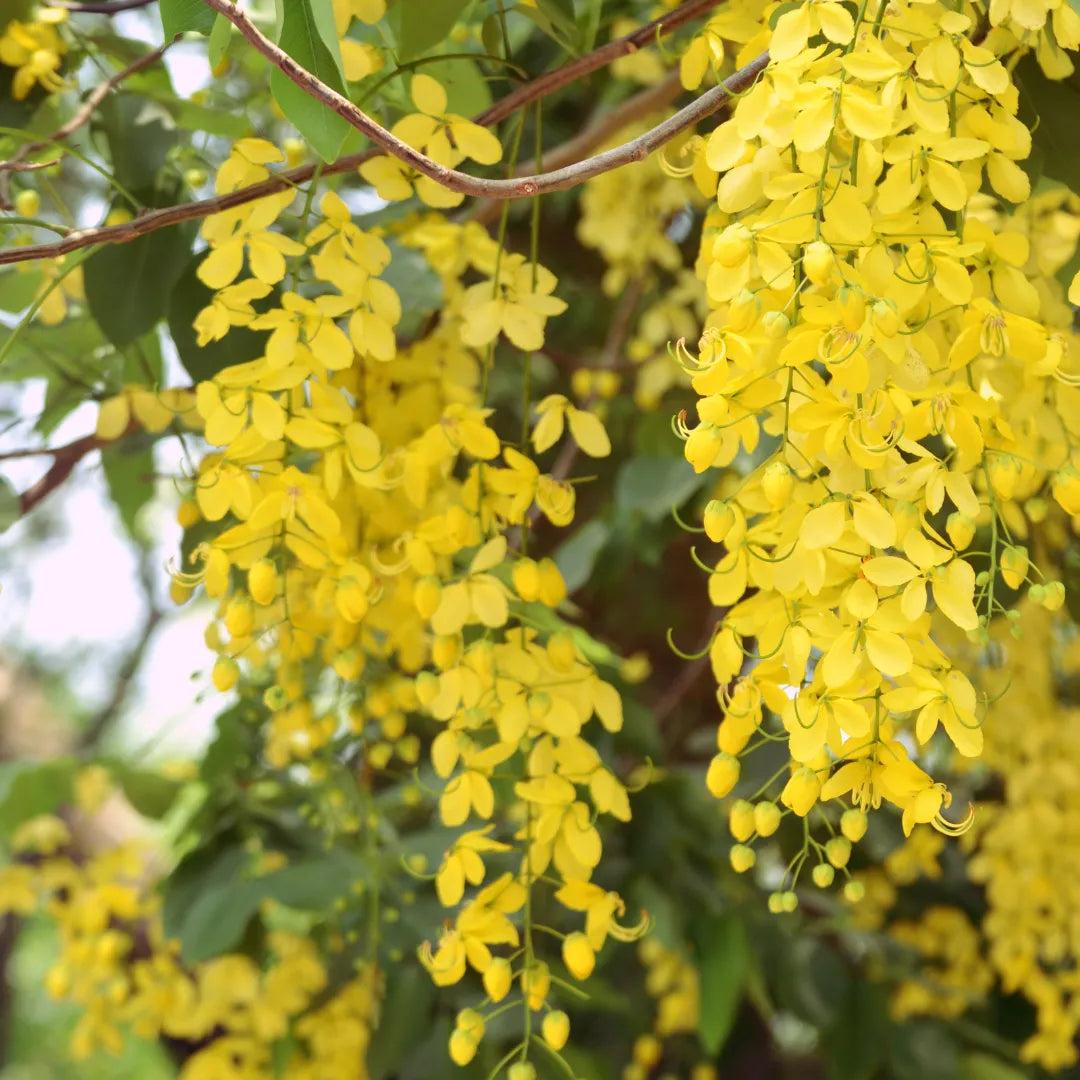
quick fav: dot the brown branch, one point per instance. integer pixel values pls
(102, 8)
(594, 61)
(149, 221)
(81, 116)
(597, 132)
(65, 458)
(454, 180)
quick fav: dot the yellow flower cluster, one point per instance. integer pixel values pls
(35, 50)
(126, 978)
(885, 344)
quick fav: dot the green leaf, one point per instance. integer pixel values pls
(409, 994)
(300, 38)
(189, 296)
(30, 788)
(589, 23)
(923, 1050)
(419, 28)
(322, 14)
(979, 1066)
(816, 983)
(151, 793)
(18, 289)
(218, 44)
(208, 904)
(412, 278)
(128, 286)
(723, 956)
(10, 505)
(140, 139)
(577, 556)
(1049, 108)
(650, 486)
(129, 470)
(180, 15)
(855, 1043)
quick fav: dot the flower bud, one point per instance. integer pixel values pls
(766, 818)
(718, 519)
(497, 978)
(578, 956)
(742, 858)
(552, 585)
(961, 530)
(239, 617)
(556, 1029)
(732, 246)
(776, 484)
(27, 203)
(854, 891)
(818, 262)
(522, 1070)
(788, 901)
(776, 325)
(262, 581)
(741, 819)
(647, 1050)
(853, 825)
(535, 984)
(838, 851)
(1014, 566)
(823, 875)
(462, 1047)
(801, 791)
(723, 774)
(1054, 597)
(526, 578)
(226, 673)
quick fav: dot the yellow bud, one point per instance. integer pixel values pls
(581, 383)
(578, 955)
(349, 664)
(195, 178)
(522, 1070)
(854, 891)
(718, 520)
(427, 593)
(788, 901)
(647, 1050)
(239, 617)
(526, 577)
(119, 216)
(535, 984)
(776, 484)
(497, 978)
(766, 818)
(1053, 596)
(262, 581)
(886, 318)
(1004, 474)
(27, 203)
(1066, 490)
(818, 262)
(732, 246)
(226, 673)
(471, 1021)
(776, 325)
(561, 650)
(552, 586)
(179, 593)
(961, 530)
(853, 825)
(1014, 566)
(801, 791)
(741, 819)
(723, 774)
(823, 875)
(742, 858)
(556, 1029)
(743, 311)
(462, 1047)
(838, 851)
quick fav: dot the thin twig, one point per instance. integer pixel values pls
(81, 116)
(151, 220)
(453, 179)
(102, 7)
(594, 134)
(599, 58)
(65, 458)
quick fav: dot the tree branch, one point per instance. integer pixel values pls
(452, 179)
(65, 458)
(102, 7)
(150, 221)
(81, 116)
